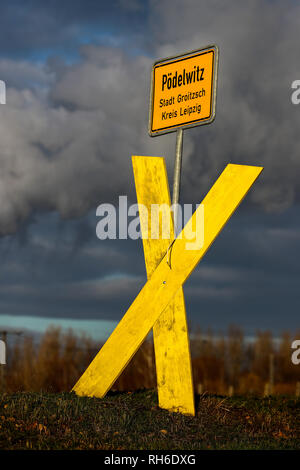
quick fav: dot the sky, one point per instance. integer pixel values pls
(78, 78)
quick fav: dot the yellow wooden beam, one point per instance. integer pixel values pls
(170, 332)
(219, 204)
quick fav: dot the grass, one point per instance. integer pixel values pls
(134, 421)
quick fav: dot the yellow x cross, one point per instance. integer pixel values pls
(161, 298)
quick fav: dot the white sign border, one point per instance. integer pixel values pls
(214, 91)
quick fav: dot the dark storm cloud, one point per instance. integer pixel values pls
(34, 28)
(79, 128)
(46, 277)
(67, 134)
(69, 149)
(250, 275)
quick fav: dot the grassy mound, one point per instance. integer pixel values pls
(134, 421)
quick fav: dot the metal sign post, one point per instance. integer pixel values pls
(183, 95)
(177, 176)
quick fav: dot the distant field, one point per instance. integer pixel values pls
(134, 421)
